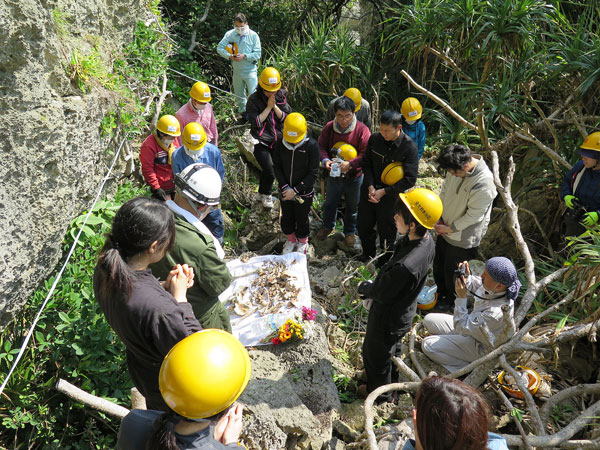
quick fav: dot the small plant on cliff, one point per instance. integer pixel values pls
(85, 71)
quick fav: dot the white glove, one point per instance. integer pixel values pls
(367, 302)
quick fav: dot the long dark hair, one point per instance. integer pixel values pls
(451, 415)
(137, 224)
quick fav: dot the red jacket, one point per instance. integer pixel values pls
(156, 167)
(358, 138)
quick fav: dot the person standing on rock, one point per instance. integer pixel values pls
(267, 109)
(149, 317)
(362, 108)
(344, 129)
(242, 47)
(198, 192)
(200, 378)
(296, 166)
(392, 297)
(390, 165)
(198, 109)
(195, 149)
(459, 339)
(155, 157)
(468, 192)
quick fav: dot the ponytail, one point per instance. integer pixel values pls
(163, 435)
(137, 224)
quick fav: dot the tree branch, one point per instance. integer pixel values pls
(98, 403)
(193, 42)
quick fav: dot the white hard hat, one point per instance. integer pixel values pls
(200, 183)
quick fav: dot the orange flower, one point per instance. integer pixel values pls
(287, 335)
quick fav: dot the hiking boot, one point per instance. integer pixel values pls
(322, 234)
(302, 247)
(267, 201)
(350, 240)
(288, 247)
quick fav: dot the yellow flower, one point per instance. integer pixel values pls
(287, 335)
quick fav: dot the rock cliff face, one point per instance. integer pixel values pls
(53, 155)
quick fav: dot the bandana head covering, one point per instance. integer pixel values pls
(589, 153)
(503, 271)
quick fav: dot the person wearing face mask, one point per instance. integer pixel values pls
(412, 123)
(580, 188)
(244, 53)
(267, 110)
(198, 192)
(387, 151)
(459, 339)
(196, 149)
(198, 109)
(392, 297)
(156, 154)
(296, 166)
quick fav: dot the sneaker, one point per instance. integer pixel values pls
(288, 247)
(302, 247)
(267, 201)
(323, 233)
(350, 240)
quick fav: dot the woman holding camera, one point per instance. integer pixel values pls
(462, 338)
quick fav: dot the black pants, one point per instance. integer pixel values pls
(573, 227)
(447, 257)
(262, 153)
(380, 214)
(294, 217)
(380, 344)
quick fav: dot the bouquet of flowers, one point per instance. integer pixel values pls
(295, 329)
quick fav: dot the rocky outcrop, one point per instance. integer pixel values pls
(53, 153)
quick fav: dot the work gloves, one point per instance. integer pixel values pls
(590, 218)
(569, 199)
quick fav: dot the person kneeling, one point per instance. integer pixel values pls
(200, 379)
(460, 339)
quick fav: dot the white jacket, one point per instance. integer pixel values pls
(468, 205)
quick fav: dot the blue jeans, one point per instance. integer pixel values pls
(336, 187)
(214, 222)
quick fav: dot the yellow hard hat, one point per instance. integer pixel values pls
(354, 95)
(534, 382)
(411, 109)
(232, 48)
(200, 92)
(424, 204)
(169, 125)
(269, 79)
(294, 128)
(426, 304)
(393, 173)
(194, 136)
(345, 150)
(592, 142)
(204, 374)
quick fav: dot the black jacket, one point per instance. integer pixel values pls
(297, 168)
(380, 153)
(269, 131)
(150, 322)
(398, 283)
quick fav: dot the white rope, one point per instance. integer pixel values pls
(62, 269)
(214, 87)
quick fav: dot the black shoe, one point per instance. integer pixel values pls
(443, 307)
(363, 257)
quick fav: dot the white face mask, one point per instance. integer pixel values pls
(194, 154)
(168, 141)
(242, 30)
(410, 122)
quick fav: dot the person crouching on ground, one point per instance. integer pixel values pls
(296, 165)
(392, 297)
(459, 339)
(200, 379)
(451, 415)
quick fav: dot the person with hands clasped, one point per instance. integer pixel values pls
(460, 339)
(149, 317)
(580, 188)
(394, 292)
(200, 379)
(296, 165)
(390, 165)
(267, 109)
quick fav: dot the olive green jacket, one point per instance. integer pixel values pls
(211, 275)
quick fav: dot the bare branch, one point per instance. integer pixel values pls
(565, 394)
(411, 349)
(440, 102)
(527, 136)
(402, 367)
(98, 403)
(193, 42)
(450, 62)
(160, 101)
